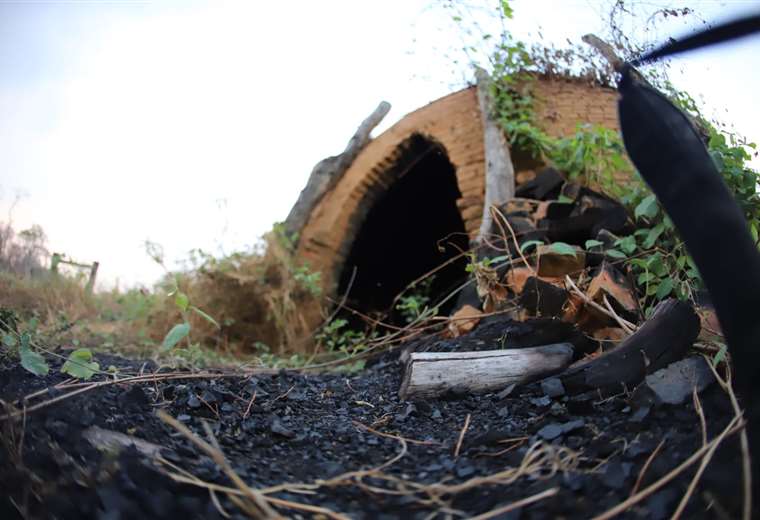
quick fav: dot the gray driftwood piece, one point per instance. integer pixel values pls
(328, 171)
(429, 374)
(500, 172)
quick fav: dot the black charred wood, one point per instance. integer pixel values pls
(543, 298)
(545, 186)
(661, 340)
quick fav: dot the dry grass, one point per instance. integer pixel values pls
(255, 298)
(260, 297)
(46, 297)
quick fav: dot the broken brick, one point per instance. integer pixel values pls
(615, 334)
(612, 283)
(524, 176)
(552, 263)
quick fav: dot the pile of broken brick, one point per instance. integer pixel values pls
(586, 287)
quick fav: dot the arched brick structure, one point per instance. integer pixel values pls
(452, 122)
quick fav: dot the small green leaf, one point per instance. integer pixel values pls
(178, 332)
(561, 248)
(33, 361)
(205, 316)
(646, 208)
(181, 300)
(526, 245)
(653, 235)
(80, 364)
(656, 265)
(614, 253)
(593, 243)
(627, 244)
(645, 278)
(664, 289)
(32, 325)
(720, 356)
(9, 340)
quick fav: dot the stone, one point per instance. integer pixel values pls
(552, 387)
(674, 384)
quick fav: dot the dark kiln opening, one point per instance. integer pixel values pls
(412, 227)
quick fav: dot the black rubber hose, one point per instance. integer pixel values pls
(716, 34)
(667, 151)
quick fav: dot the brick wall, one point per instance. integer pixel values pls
(454, 122)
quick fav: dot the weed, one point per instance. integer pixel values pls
(595, 155)
(414, 305)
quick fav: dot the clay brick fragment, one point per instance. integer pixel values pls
(524, 176)
(552, 263)
(611, 283)
(615, 334)
(572, 309)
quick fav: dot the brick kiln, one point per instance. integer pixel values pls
(412, 197)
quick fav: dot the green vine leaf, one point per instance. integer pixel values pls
(653, 235)
(664, 289)
(9, 340)
(205, 316)
(720, 356)
(177, 334)
(529, 243)
(593, 243)
(614, 253)
(80, 364)
(181, 301)
(31, 360)
(561, 248)
(647, 208)
(627, 244)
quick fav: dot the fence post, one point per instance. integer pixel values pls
(54, 261)
(93, 274)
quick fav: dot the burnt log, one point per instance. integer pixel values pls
(661, 340)
(546, 185)
(543, 298)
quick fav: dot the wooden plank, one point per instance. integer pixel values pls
(429, 374)
(500, 172)
(328, 171)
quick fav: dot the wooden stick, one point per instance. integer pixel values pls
(606, 50)
(461, 436)
(430, 374)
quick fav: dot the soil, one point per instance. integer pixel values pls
(290, 427)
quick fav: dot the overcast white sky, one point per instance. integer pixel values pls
(196, 124)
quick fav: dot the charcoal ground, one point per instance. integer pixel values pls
(301, 428)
